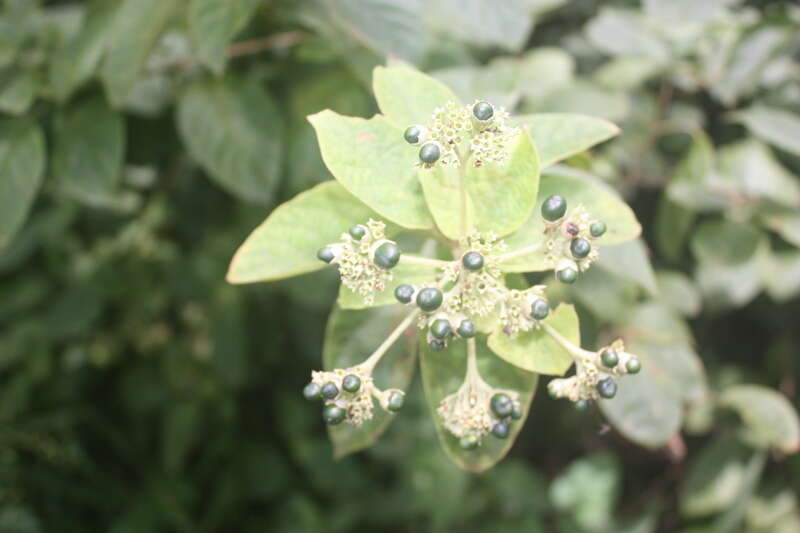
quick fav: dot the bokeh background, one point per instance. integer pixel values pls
(142, 140)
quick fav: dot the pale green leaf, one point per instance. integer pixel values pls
(443, 373)
(630, 260)
(588, 490)
(780, 273)
(714, 478)
(482, 23)
(137, 25)
(673, 223)
(373, 162)
(626, 33)
(758, 173)
(22, 164)
(768, 416)
(233, 128)
(585, 98)
(536, 350)
(212, 25)
(600, 201)
(778, 127)
(350, 337)
(286, 243)
(407, 96)
(411, 274)
(18, 93)
(560, 135)
(677, 292)
(696, 184)
(725, 242)
(499, 198)
(608, 296)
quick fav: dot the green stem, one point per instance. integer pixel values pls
(576, 352)
(373, 359)
(417, 260)
(462, 188)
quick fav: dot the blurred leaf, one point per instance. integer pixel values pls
(212, 25)
(626, 72)
(714, 478)
(626, 33)
(672, 226)
(696, 185)
(286, 243)
(14, 519)
(180, 427)
(778, 127)
(411, 274)
(499, 198)
(443, 373)
(588, 489)
(780, 272)
(536, 350)
(134, 31)
(677, 292)
(630, 260)
(407, 96)
(18, 93)
(608, 296)
(233, 128)
(725, 242)
(89, 150)
(759, 174)
(22, 164)
(369, 158)
(560, 135)
(583, 98)
(600, 201)
(483, 23)
(350, 337)
(769, 418)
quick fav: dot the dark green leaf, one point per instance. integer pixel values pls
(22, 164)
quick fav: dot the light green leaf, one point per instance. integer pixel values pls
(696, 185)
(780, 273)
(75, 61)
(714, 478)
(608, 296)
(407, 96)
(630, 260)
(725, 242)
(584, 98)
(673, 223)
(350, 337)
(758, 173)
(233, 128)
(373, 162)
(778, 127)
(482, 23)
(626, 33)
(411, 274)
(768, 416)
(135, 30)
(599, 199)
(212, 25)
(678, 293)
(18, 93)
(588, 490)
(560, 135)
(286, 243)
(536, 350)
(499, 197)
(443, 373)
(22, 164)
(626, 72)
(89, 150)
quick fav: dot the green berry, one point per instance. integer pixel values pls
(472, 261)
(351, 383)
(582, 405)
(516, 412)
(413, 134)
(325, 254)
(429, 299)
(357, 232)
(404, 293)
(437, 345)
(483, 111)
(580, 248)
(468, 442)
(441, 328)
(568, 275)
(554, 207)
(387, 255)
(429, 153)
(466, 329)
(539, 309)
(333, 414)
(501, 429)
(633, 366)
(597, 229)
(312, 391)
(330, 391)
(607, 388)
(609, 358)
(502, 405)
(395, 401)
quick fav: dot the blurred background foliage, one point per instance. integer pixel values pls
(141, 141)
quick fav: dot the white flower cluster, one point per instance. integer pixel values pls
(355, 260)
(559, 236)
(482, 290)
(357, 405)
(515, 310)
(491, 144)
(468, 410)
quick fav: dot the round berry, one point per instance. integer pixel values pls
(483, 111)
(539, 309)
(466, 329)
(607, 388)
(429, 299)
(580, 248)
(437, 345)
(325, 254)
(597, 229)
(582, 405)
(501, 429)
(330, 391)
(516, 412)
(387, 255)
(502, 405)
(312, 391)
(357, 232)
(633, 366)
(468, 442)
(429, 153)
(572, 228)
(351, 383)
(554, 207)
(413, 133)
(568, 275)
(472, 261)
(441, 328)
(395, 401)
(404, 293)
(609, 358)
(333, 414)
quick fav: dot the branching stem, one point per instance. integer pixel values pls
(379, 352)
